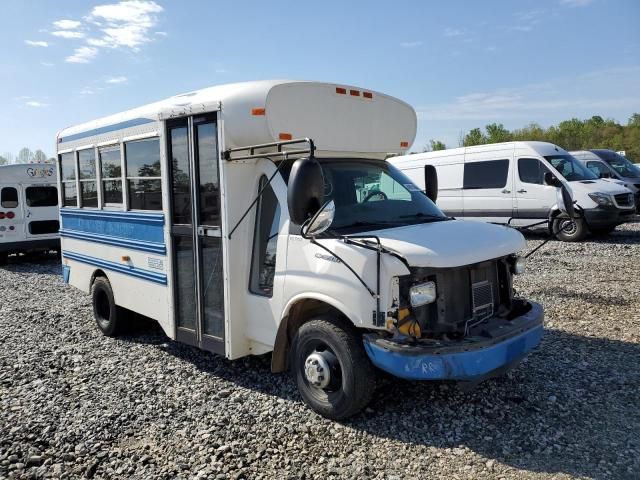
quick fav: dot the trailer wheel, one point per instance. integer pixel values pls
(105, 310)
(569, 230)
(332, 370)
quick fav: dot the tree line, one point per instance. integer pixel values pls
(574, 134)
(25, 155)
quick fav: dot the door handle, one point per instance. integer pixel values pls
(506, 191)
(522, 191)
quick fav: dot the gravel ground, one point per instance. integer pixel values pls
(74, 403)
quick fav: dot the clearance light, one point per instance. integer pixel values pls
(354, 93)
(285, 136)
(125, 258)
(367, 94)
(1, 215)
(341, 91)
(404, 144)
(258, 111)
(10, 215)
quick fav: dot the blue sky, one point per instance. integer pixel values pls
(460, 64)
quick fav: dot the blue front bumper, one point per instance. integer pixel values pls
(464, 363)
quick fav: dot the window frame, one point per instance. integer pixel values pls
(253, 268)
(2, 189)
(110, 146)
(26, 195)
(80, 181)
(479, 162)
(64, 181)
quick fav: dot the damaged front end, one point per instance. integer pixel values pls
(461, 324)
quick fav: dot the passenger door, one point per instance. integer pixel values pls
(198, 285)
(487, 189)
(534, 199)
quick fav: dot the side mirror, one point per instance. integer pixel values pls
(321, 221)
(431, 182)
(305, 191)
(567, 200)
(551, 179)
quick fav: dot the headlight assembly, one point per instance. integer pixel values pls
(517, 265)
(601, 199)
(422, 294)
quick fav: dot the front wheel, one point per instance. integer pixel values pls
(331, 368)
(569, 230)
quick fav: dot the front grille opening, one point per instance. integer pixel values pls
(44, 227)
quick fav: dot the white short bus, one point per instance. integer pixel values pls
(28, 209)
(241, 218)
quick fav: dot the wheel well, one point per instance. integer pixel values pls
(300, 313)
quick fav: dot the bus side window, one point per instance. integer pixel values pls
(111, 171)
(265, 242)
(68, 177)
(9, 197)
(87, 177)
(143, 183)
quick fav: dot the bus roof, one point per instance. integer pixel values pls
(338, 118)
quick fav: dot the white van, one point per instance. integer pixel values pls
(610, 164)
(505, 183)
(28, 209)
(242, 218)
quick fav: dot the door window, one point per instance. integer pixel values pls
(9, 197)
(531, 170)
(265, 242)
(42, 196)
(485, 174)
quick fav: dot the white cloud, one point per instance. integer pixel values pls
(414, 44)
(452, 32)
(115, 80)
(36, 43)
(67, 24)
(35, 104)
(576, 3)
(161, 34)
(82, 55)
(97, 42)
(67, 34)
(127, 23)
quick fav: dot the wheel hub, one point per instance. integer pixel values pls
(568, 227)
(317, 370)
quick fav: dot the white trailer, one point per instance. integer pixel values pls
(28, 209)
(262, 217)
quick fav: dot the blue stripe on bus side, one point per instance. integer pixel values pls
(125, 226)
(151, 247)
(160, 278)
(106, 129)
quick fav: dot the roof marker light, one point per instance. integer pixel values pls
(341, 91)
(367, 94)
(354, 93)
(285, 136)
(258, 111)
(404, 144)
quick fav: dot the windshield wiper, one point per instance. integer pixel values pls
(361, 223)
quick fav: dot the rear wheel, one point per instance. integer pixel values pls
(569, 230)
(108, 316)
(332, 370)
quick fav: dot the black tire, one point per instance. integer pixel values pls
(570, 231)
(107, 314)
(4, 258)
(352, 377)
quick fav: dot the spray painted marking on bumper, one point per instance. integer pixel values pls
(463, 366)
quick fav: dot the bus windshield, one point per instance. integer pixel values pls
(373, 195)
(621, 165)
(570, 168)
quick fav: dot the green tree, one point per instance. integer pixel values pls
(474, 137)
(434, 145)
(25, 155)
(39, 156)
(496, 133)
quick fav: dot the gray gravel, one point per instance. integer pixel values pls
(76, 404)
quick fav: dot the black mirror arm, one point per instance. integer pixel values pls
(255, 200)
